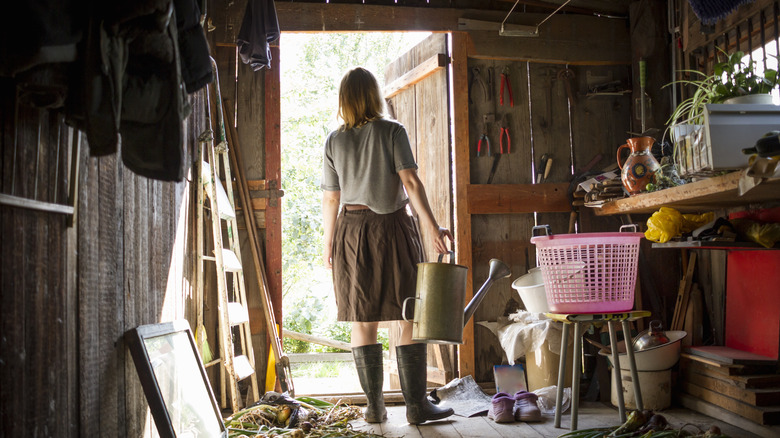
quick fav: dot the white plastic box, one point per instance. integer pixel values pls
(729, 128)
(717, 144)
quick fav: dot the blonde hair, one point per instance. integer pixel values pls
(360, 99)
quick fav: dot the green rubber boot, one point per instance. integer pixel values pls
(368, 361)
(412, 371)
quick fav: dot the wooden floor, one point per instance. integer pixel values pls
(592, 414)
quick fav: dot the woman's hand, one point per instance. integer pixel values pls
(327, 257)
(440, 240)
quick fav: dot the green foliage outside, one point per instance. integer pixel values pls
(311, 69)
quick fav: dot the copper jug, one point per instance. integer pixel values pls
(640, 166)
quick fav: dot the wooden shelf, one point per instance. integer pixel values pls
(698, 244)
(707, 194)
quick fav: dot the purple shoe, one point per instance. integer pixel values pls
(525, 407)
(501, 408)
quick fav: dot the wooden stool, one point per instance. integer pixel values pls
(610, 318)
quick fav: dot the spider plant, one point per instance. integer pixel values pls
(730, 78)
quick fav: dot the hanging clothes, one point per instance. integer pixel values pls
(139, 62)
(259, 28)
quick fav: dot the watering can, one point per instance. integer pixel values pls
(439, 317)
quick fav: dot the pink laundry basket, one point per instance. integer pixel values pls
(589, 272)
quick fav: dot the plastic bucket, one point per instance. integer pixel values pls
(530, 287)
(656, 389)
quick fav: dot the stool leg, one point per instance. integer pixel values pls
(618, 380)
(575, 378)
(561, 373)
(632, 365)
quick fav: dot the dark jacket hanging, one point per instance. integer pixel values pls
(259, 28)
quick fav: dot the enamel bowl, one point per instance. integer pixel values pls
(658, 358)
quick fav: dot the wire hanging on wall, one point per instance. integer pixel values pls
(526, 31)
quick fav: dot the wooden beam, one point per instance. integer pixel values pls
(32, 204)
(760, 415)
(317, 340)
(753, 397)
(518, 198)
(322, 17)
(417, 74)
(563, 39)
(461, 47)
(594, 7)
(273, 175)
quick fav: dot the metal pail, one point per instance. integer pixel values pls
(440, 300)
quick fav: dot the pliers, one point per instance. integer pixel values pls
(504, 131)
(505, 80)
(476, 76)
(487, 144)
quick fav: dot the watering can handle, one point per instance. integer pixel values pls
(452, 258)
(634, 227)
(403, 308)
(546, 228)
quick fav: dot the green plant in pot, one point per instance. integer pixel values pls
(730, 79)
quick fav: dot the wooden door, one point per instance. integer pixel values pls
(417, 93)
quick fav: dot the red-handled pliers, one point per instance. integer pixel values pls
(505, 80)
(487, 144)
(504, 131)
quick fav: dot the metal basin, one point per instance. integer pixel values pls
(658, 358)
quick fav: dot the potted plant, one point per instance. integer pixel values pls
(732, 80)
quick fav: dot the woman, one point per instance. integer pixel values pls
(373, 245)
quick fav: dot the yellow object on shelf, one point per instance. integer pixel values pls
(667, 223)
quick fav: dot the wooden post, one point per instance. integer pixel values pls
(461, 44)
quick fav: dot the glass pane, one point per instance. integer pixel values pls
(182, 387)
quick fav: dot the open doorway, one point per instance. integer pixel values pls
(312, 65)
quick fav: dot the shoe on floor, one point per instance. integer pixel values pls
(501, 408)
(525, 407)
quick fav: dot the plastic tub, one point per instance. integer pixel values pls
(658, 358)
(530, 287)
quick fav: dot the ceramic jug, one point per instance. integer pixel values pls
(639, 167)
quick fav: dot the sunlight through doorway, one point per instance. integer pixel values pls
(312, 65)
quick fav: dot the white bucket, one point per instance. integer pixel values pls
(656, 389)
(530, 287)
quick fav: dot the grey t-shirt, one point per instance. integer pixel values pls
(363, 164)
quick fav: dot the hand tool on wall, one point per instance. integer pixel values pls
(476, 76)
(506, 82)
(504, 133)
(496, 159)
(491, 81)
(551, 75)
(483, 139)
(567, 76)
(543, 168)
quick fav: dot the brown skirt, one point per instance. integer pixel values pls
(375, 260)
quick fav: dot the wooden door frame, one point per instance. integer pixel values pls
(460, 46)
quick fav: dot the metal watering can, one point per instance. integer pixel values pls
(441, 295)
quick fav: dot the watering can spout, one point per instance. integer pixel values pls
(498, 270)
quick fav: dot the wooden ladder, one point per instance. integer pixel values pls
(235, 338)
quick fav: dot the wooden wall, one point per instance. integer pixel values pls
(69, 293)
(543, 121)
